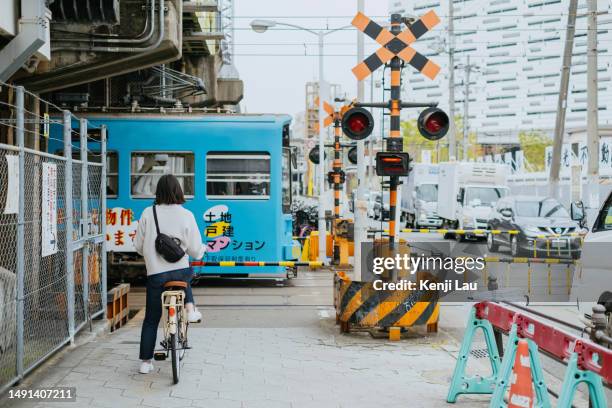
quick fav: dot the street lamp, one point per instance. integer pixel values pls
(261, 26)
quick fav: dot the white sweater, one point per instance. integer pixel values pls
(174, 221)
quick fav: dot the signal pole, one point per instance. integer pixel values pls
(360, 212)
(394, 142)
(337, 168)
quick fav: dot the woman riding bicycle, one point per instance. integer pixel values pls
(179, 224)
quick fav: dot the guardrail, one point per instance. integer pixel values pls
(529, 261)
(587, 362)
(481, 231)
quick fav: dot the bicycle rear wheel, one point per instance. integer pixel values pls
(176, 361)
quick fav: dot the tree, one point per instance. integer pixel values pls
(415, 143)
(533, 145)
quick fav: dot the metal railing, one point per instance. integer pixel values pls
(52, 230)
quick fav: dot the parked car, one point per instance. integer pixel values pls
(372, 198)
(544, 227)
(380, 205)
(351, 203)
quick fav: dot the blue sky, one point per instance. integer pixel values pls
(275, 77)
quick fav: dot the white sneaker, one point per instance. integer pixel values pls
(194, 316)
(146, 367)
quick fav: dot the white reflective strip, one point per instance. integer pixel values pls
(525, 361)
(520, 401)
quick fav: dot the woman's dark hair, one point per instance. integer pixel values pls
(169, 191)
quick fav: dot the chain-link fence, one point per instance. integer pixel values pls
(52, 253)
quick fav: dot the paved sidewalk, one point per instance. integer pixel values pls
(261, 367)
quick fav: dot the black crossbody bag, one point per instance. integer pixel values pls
(169, 248)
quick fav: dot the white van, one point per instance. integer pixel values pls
(419, 203)
(468, 192)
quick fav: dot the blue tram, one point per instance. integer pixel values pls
(235, 171)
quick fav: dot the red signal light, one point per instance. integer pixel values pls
(357, 123)
(433, 123)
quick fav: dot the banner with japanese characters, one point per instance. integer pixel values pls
(49, 209)
(120, 229)
(566, 158)
(581, 157)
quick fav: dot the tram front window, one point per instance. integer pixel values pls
(238, 175)
(148, 167)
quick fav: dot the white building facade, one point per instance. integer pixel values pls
(516, 48)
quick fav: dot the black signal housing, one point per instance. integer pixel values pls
(352, 155)
(433, 123)
(313, 155)
(357, 123)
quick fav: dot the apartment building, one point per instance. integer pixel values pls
(515, 49)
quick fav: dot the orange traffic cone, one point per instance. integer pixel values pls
(521, 389)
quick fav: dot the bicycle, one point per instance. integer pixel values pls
(174, 342)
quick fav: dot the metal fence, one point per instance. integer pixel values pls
(52, 229)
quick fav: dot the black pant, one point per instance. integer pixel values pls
(153, 312)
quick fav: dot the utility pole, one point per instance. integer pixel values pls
(452, 136)
(562, 101)
(468, 68)
(360, 212)
(466, 109)
(592, 108)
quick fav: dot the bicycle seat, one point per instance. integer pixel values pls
(175, 284)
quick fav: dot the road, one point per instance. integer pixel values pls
(270, 344)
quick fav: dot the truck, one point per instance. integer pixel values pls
(467, 194)
(419, 202)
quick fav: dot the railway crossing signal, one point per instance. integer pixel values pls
(433, 122)
(357, 124)
(396, 45)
